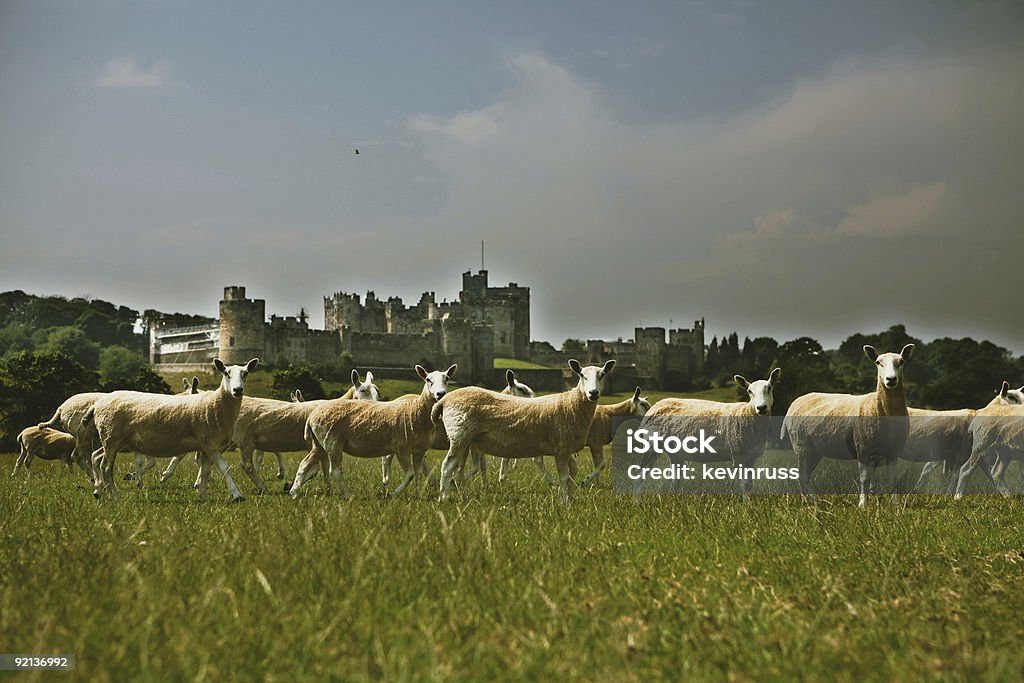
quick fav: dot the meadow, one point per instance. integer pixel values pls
(503, 582)
(506, 583)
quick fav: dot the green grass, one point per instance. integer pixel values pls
(516, 364)
(506, 583)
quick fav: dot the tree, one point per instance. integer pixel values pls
(15, 338)
(146, 379)
(573, 345)
(805, 368)
(32, 385)
(299, 377)
(72, 342)
(119, 367)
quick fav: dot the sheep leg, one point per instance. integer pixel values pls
(169, 470)
(204, 476)
(746, 484)
(108, 473)
(83, 462)
(20, 462)
(926, 471)
(997, 474)
(409, 465)
(563, 467)
(307, 469)
(967, 470)
(539, 462)
(257, 459)
(143, 464)
(455, 457)
(222, 465)
(280, 465)
(809, 459)
(506, 465)
(385, 469)
(480, 462)
(252, 470)
(475, 467)
(867, 480)
(97, 468)
(597, 455)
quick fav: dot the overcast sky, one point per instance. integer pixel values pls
(782, 168)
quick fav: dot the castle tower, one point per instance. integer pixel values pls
(650, 354)
(242, 327)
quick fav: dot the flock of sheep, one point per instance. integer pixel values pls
(472, 422)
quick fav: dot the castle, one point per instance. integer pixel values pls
(388, 336)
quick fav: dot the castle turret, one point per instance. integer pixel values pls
(242, 333)
(650, 354)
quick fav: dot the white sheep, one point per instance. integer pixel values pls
(741, 427)
(277, 426)
(512, 387)
(367, 429)
(166, 426)
(869, 428)
(998, 437)
(45, 444)
(68, 418)
(515, 427)
(938, 437)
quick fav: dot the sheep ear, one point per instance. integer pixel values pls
(636, 394)
(184, 382)
(775, 375)
(575, 366)
(251, 365)
(907, 351)
(421, 371)
(355, 377)
(741, 381)
(450, 372)
(369, 377)
(219, 364)
(870, 352)
(195, 384)
(1003, 389)
(510, 377)
(298, 396)
(608, 366)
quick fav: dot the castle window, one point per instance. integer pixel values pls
(231, 341)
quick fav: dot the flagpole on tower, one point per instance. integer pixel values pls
(481, 255)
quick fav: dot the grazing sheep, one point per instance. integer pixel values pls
(870, 428)
(998, 434)
(515, 427)
(166, 426)
(741, 427)
(367, 429)
(46, 444)
(601, 429)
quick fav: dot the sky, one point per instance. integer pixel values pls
(782, 169)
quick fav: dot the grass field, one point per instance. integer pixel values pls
(505, 583)
(516, 364)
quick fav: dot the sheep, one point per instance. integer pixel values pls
(166, 426)
(515, 388)
(944, 437)
(68, 418)
(46, 444)
(367, 429)
(602, 430)
(143, 463)
(938, 437)
(871, 428)
(742, 427)
(277, 426)
(998, 435)
(515, 427)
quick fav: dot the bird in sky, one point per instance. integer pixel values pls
(357, 151)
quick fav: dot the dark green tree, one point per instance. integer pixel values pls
(300, 377)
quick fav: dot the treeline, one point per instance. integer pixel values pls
(943, 374)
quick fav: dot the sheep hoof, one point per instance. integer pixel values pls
(287, 486)
(96, 495)
(129, 476)
(239, 499)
